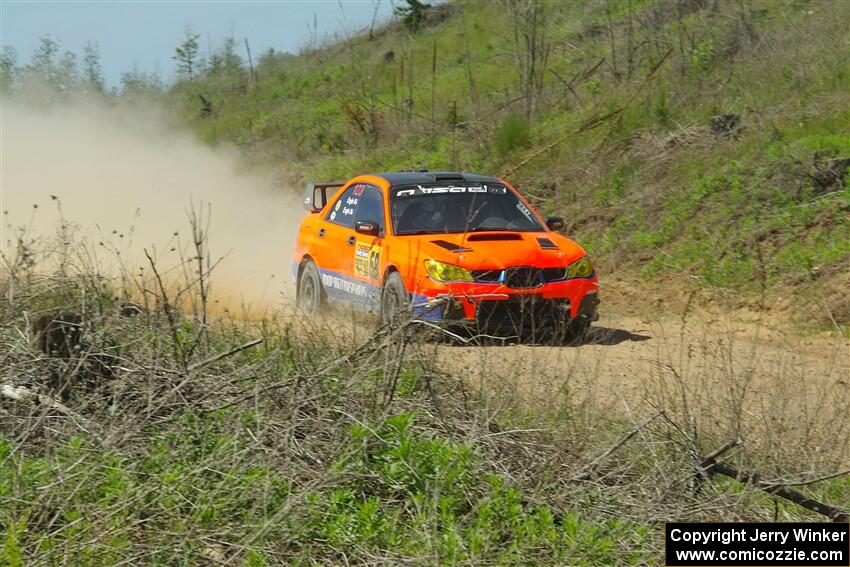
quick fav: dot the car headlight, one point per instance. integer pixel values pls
(581, 268)
(447, 272)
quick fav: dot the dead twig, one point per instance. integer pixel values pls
(712, 466)
(590, 124)
(22, 394)
(810, 481)
(588, 469)
(716, 454)
(594, 121)
(179, 353)
(225, 354)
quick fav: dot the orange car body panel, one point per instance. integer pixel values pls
(353, 266)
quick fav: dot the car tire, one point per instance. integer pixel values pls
(310, 295)
(394, 300)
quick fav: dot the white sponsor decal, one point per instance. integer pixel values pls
(524, 210)
(450, 189)
(345, 286)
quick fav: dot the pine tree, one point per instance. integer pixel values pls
(412, 14)
(186, 54)
(8, 69)
(43, 63)
(92, 73)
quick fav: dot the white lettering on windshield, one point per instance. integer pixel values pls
(420, 190)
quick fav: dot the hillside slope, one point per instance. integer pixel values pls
(136, 429)
(689, 139)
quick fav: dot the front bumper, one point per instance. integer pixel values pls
(501, 310)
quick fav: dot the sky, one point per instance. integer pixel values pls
(145, 34)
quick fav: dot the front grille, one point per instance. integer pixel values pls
(523, 278)
(524, 316)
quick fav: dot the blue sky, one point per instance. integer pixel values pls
(146, 33)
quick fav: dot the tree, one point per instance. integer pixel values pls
(225, 60)
(531, 49)
(67, 78)
(186, 54)
(136, 83)
(412, 15)
(92, 73)
(230, 60)
(43, 63)
(58, 74)
(8, 69)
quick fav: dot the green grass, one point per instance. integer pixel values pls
(293, 451)
(398, 490)
(319, 467)
(273, 455)
(635, 206)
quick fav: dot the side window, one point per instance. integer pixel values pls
(371, 207)
(342, 212)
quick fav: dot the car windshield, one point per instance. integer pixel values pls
(436, 209)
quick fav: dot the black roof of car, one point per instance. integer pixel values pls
(425, 177)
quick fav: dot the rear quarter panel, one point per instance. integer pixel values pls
(304, 241)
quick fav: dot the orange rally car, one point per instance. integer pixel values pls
(457, 248)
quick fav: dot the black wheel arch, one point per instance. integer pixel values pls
(389, 270)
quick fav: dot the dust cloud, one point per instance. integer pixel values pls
(123, 179)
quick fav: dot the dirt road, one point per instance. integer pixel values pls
(743, 374)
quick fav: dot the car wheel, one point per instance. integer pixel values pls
(394, 300)
(309, 296)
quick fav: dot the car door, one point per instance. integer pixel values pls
(334, 239)
(337, 244)
(368, 248)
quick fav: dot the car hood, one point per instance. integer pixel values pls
(490, 250)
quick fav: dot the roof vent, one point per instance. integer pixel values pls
(448, 177)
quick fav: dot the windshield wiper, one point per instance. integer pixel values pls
(419, 232)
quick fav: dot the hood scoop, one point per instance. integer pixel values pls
(482, 237)
(451, 247)
(547, 244)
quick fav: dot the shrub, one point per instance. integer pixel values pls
(513, 133)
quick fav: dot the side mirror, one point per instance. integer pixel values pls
(555, 223)
(367, 227)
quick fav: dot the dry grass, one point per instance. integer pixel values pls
(326, 443)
